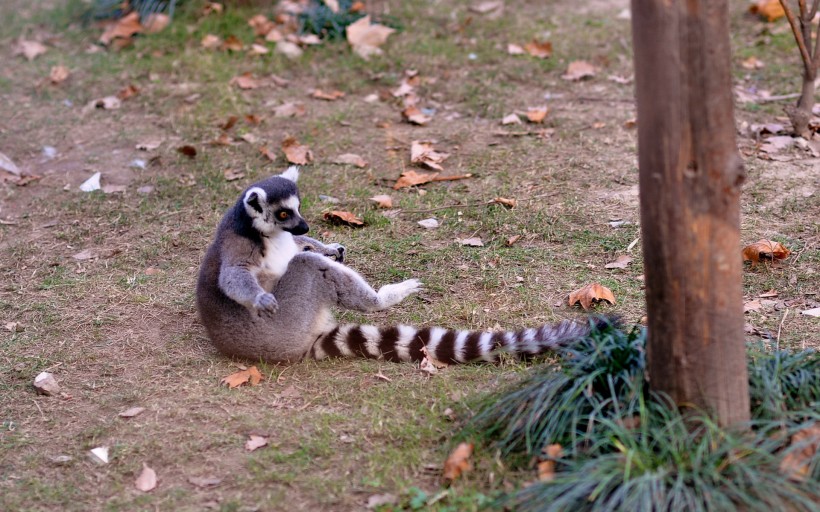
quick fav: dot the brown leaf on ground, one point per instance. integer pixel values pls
(433, 361)
(258, 49)
(515, 49)
(458, 461)
(620, 262)
(267, 153)
(250, 376)
(769, 10)
(540, 49)
(424, 154)
(127, 92)
(503, 201)
(511, 119)
(295, 152)
(327, 96)
(487, 7)
(766, 250)
(253, 119)
(365, 38)
(803, 447)
(212, 8)
(546, 468)
(511, 240)
(147, 480)
(229, 123)
(124, 28)
(537, 114)
(578, 70)
(211, 42)
(412, 178)
(156, 22)
(350, 159)
(30, 49)
(255, 442)
(414, 115)
(290, 109)
(187, 150)
(383, 201)
(233, 174)
(58, 75)
(590, 293)
(752, 305)
(222, 140)
(752, 62)
(261, 25)
(245, 81)
(232, 44)
(204, 481)
(341, 217)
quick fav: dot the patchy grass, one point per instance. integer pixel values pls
(117, 337)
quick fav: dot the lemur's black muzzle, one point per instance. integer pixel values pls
(299, 229)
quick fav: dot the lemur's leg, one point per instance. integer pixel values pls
(333, 251)
(311, 277)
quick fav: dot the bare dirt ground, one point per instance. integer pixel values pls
(117, 324)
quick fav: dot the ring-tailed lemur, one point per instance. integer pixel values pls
(265, 291)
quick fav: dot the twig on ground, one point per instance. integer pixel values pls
(779, 328)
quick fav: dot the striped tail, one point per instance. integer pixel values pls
(405, 343)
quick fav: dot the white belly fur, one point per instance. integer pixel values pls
(279, 250)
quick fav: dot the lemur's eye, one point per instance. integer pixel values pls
(283, 215)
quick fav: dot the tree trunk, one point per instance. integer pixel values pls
(690, 177)
(800, 115)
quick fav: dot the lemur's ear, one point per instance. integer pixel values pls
(292, 173)
(254, 199)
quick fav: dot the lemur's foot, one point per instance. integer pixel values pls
(340, 252)
(265, 303)
(391, 294)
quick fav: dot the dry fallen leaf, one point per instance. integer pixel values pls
(487, 7)
(429, 223)
(366, 37)
(590, 293)
(423, 153)
(107, 103)
(99, 454)
(511, 241)
(58, 75)
(261, 25)
(766, 250)
(211, 42)
(258, 49)
(222, 140)
(383, 201)
(796, 464)
(503, 201)
(233, 174)
(254, 442)
(752, 305)
(350, 159)
(414, 115)
(380, 500)
(245, 81)
(540, 49)
(327, 96)
(30, 49)
(187, 150)
(411, 178)
(620, 262)
(458, 461)
(147, 480)
(515, 49)
(770, 10)
(156, 22)
(250, 376)
(288, 49)
(295, 152)
(814, 312)
(433, 361)
(229, 123)
(537, 114)
(127, 92)
(752, 63)
(123, 28)
(290, 109)
(546, 468)
(204, 481)
(233, 44)
(578, 70)
(212, 8)
(340, 217)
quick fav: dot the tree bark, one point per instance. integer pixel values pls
(690, 178)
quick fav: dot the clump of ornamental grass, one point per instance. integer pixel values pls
(115, 9)
(318, 18)
(625, 448)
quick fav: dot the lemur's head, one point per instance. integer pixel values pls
(273, 204)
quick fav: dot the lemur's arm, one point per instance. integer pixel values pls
(238, 283)
(332, 251)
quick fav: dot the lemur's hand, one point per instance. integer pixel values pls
(265, 303)
(340, 252)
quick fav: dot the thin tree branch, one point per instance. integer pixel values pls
(814, 7)
(802, 5)
(815, 62)
(798, 35)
